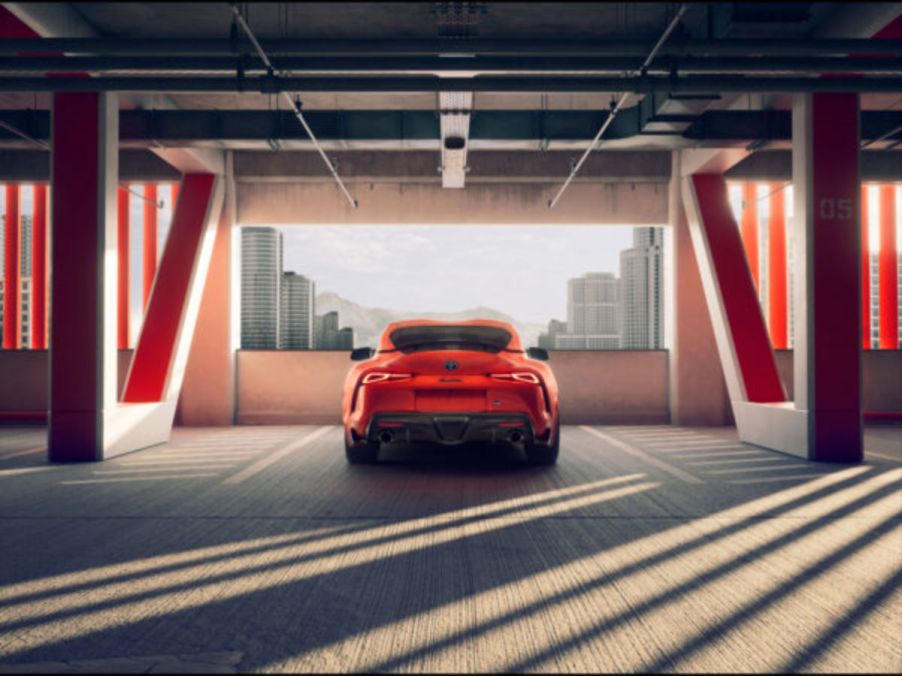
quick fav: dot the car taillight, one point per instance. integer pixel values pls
(520, 377)
(380, 377)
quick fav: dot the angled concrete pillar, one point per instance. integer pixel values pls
(208, 392)
(84, 172)
(697, 391)
(827, 222)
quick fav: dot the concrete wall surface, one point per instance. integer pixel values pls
(881, 379)
(24, 382)
(301, 387)
(282, 386)
(480, 204)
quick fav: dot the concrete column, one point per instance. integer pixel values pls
(208, 392)
(827, 355)
(84, 173)
(698, 393)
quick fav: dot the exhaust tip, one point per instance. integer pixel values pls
(385, 436)
(515, 437)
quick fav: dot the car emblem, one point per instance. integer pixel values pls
(451, 365)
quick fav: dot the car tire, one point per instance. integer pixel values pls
(364, 453)
(537, 454)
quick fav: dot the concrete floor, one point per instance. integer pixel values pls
(259, 549)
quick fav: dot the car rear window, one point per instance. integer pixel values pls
(476, 338)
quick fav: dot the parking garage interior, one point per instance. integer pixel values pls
(172, 502)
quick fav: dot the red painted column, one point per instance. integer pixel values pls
(749, 226)
(12, 315)
(39, 269)
(123, 250)
(889, 295)
(175, 194)
(827, 355)
(150, 238)
(84, 170)
(776, 259)
(865, 273)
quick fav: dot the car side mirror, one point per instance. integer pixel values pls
(362, 353)
(539, 353)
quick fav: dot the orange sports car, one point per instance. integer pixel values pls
(450, 383)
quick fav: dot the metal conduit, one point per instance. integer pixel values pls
(616, 109)
(295, 106)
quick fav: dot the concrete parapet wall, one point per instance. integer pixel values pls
(302, 387)
(282, 386)
(881, 379)
(24, 383)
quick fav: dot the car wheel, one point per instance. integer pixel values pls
(537, 454)
(364, 453)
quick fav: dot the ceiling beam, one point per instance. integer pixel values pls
(181, 128)
(638, 84)
(228, 65)
(276, 47)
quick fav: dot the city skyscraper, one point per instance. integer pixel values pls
(261, 279)
(327, 335)
(296, 312)
(642, 291)
(593, 313)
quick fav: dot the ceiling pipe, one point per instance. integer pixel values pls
(636, 85)
(616, 109)
(277, 47)
(295, 106)
(227, 64)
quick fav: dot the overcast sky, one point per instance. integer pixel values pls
(522, 271)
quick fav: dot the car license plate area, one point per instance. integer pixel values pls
(445, 400)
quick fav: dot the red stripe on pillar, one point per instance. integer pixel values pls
(740, 302)
(150, 238)
(175, 195)
(157, 343)
(123, 248)
(889, 283)
(12, 315)
(749, 227)
(776, 268)
(39, 269)
(865, 273)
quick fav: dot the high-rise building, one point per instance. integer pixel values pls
(327, 335)
(261, 277)
(642, 291)
(593, 313)
(555, 327)
(296, 312)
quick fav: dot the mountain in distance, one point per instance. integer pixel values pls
(368, 323)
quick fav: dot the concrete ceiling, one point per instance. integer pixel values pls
(458, 22)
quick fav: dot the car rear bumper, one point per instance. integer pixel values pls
(451, 428)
